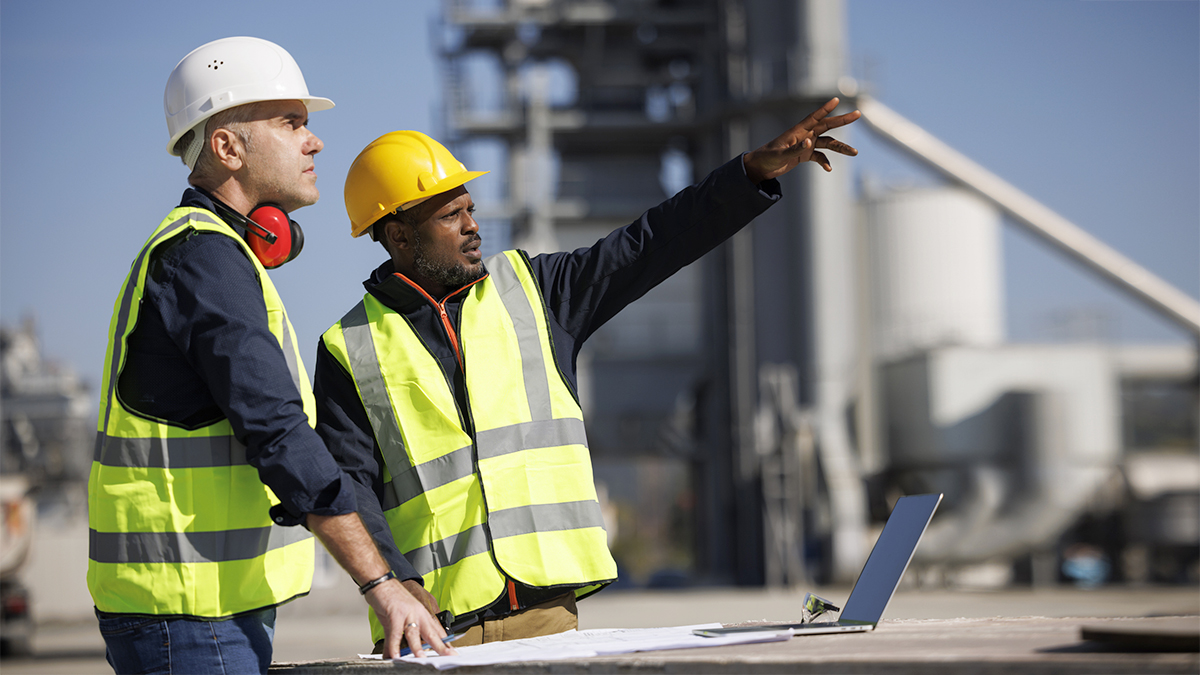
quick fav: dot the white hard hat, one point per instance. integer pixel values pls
(227, 73)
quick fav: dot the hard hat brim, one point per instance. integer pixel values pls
(444, 185)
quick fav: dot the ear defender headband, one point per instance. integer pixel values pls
(273, 237)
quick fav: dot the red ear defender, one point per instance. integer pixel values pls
(278, 238)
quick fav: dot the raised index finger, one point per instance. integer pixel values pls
(817, 115)
(835, 122)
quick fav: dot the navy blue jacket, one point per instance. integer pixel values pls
(583, 289)
(202, 351)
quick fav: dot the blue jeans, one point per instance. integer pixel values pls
(146, 644)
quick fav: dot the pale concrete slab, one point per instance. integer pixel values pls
(1029, 645)
(331, 623)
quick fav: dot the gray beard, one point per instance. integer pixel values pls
(450, 275)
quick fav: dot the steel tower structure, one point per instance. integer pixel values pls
(744, 364)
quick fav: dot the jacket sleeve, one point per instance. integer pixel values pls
(212, 307)
(342, 423)
(587, 287)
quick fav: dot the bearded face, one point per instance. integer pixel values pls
(446, 265)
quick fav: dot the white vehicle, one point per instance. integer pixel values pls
(16, 537)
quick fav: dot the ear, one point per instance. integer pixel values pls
(399, 235)
(227, 148)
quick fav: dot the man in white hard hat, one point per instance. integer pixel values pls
(207, 470)
(449, 392)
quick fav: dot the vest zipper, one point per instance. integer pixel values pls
(512, 596)
(450, 332)
(445, 317)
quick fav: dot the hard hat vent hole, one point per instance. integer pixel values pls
(216, 64)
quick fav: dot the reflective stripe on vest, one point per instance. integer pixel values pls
(493, 443)
(442, 518)
(179, 521)
(191, 547)
(178, 453)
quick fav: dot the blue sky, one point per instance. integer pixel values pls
(1091, 107)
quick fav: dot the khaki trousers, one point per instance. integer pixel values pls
(553, 616)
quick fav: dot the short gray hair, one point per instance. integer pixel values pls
(235, 119)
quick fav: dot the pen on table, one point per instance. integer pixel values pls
(447, 620)
(405, 651)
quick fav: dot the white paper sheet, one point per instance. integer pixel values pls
(584, 644)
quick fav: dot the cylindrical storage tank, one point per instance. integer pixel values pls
(935, 270)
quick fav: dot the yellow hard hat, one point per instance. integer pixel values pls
(398, 171)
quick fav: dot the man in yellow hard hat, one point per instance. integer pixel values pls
(206, 459)
(448, 392)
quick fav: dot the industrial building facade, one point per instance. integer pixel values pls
(752, 417)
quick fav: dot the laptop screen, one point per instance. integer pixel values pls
(890, 557)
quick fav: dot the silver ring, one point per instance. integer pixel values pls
(412, 625)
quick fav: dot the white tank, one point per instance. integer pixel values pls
(935, 270)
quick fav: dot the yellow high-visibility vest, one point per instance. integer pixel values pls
(179, 521)
(515, 498)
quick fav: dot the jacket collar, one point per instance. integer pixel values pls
(201, 199)
(195, 198)
(398, 293)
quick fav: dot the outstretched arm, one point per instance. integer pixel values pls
(801, 143)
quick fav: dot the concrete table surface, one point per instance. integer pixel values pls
(330, 626)
(977, 646)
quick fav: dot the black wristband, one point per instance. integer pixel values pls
(375, 582)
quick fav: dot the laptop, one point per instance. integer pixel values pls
(876, 582)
